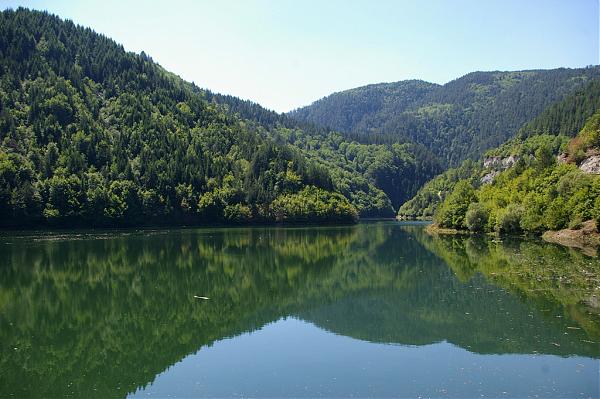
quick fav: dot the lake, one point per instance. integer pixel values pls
(380, 309)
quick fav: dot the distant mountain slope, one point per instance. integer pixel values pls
(376, 173)
(458, 120)
(566, 117)
(375, 177)
(357, 110)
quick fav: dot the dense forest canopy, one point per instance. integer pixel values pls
(93, 135)
(377, 173)
(427, 199)
(566, 117)
(458, 120)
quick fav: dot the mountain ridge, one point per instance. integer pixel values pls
(564, 118)
(457, 120)
(96, 114)
(91, 133)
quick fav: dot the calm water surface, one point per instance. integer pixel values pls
(373, 310)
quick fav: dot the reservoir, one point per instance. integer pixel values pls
(379, 309)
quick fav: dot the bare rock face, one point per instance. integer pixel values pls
(496, 165)
(489, 178)
(593, 301)
(562, 158)
(492, 161)
(591, 165)
(509, 161)
(500, 163)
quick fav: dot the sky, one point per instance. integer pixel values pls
(284, 54)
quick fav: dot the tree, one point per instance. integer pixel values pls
(477, 217)
(509, 219)
(454, 208)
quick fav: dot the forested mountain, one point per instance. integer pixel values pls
(428, 197)
(93, 135)
(458, 120)
(375, 177)
(359, 109)
(376, 173)
(565, 118)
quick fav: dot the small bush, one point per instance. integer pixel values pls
(596, 212)
(575, 222)
(533, 213)
(238, 213)
(556, 214)
(509, 219)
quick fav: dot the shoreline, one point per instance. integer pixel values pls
(434, 228)
(81, 229)
(586, 238)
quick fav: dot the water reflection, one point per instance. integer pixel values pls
(560, 282)
(101, 315)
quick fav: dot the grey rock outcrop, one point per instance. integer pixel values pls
(591, 165)
(497, 165)
(492, 161)
(509, 161)
(489, 178)
(562, 158)
(499, 162)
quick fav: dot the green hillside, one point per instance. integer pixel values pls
(548, 187)
(565, 118)
(458, 120)
(93, 135)
(376, 173)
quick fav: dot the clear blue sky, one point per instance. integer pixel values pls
(288, 53)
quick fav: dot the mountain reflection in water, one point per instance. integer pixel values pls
(102, 314)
